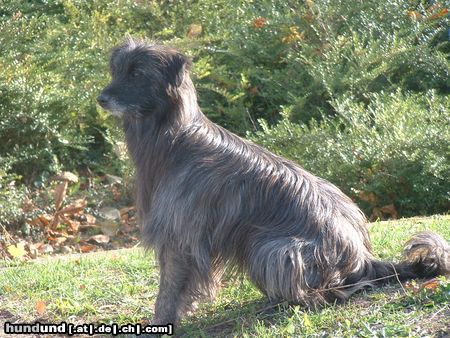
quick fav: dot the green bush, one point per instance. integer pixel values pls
(290, 55)
(12, 198)
(252, 60)
(393, 151)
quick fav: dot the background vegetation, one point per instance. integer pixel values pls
(355, 91)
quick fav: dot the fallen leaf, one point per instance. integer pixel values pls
(33, 248)
(74, 225)
(73, 208)
(109, 228)
(16, 250)
(433, 284)
(126, 210)
(46, 249)
(59, 240)
(254, 90)
(45, 219)
(109, 220)
(60, 193)
(390, 210)
(67, 176)
(369, 197)
(194, 30)
(41, 307)
(90, 219)
(412, 286)
(414, 15)
(117, 195)
(259, 22)
(113, 179)
(87, 248)
(66, 249)
(100, 239)
(36, 222)
(376, 214)
(55, 220)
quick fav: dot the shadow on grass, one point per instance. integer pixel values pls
(226, 321)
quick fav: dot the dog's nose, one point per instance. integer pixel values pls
(103, 99)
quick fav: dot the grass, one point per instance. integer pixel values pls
(121, 286)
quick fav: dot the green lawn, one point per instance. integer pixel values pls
(121, 286)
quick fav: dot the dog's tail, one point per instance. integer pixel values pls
(426, 255)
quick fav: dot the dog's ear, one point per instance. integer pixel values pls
(179, 67)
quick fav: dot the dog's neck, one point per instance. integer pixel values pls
(150, 139)
(187, 110)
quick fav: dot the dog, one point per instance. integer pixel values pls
(209, 201)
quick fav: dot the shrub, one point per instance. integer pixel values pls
(288, 55)
(393, 151)
(252, 60)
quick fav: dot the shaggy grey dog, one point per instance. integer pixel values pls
(208, 200)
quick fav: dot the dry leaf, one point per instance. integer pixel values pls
(376, 214)
(59, 240)
(36, 222)
(73, 208)
(34, 249)
(412, 286)
(259, 22)
(109, 220)
(17, 250)
(124, 218)
(74, 225)
(41, 307)
(113, 179)
(100, 239)
(67, 176)
(109, 228)
(126, 210)
(60, 193)
(194, 30)
(41, 220)
(55, 220)
(46, 249)
(28, 204)
(390, 210)
(414, 15)
(45, 219)
(90, 219)
(117, 195)
(368, 197)
(433, 284)
(87, 248)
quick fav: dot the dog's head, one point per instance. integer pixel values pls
(145, 79)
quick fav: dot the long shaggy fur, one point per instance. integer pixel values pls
(208, 200)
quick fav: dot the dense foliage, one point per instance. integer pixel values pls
(393, 151)
(359, 87)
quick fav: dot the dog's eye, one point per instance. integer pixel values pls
(134, 74)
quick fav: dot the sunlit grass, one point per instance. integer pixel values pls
(121, 287)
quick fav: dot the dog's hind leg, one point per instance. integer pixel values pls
(284, 269)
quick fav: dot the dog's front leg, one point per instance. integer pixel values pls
(174, 275)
